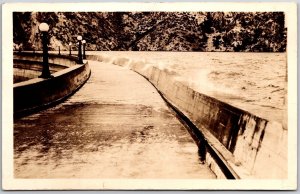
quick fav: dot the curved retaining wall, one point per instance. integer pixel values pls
(25, 69)
(249, 146)
(62, 60)
(36, 93)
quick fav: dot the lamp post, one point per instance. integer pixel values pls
(70, 48)
(58, 50)
(83, 45)
(44, 27)
(79, 38)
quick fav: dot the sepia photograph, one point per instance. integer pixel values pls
(149, 96)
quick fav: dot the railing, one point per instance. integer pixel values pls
(38, 93)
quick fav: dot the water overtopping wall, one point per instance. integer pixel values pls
(251, 146)
(258, 148)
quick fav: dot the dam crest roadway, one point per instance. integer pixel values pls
(115, 126)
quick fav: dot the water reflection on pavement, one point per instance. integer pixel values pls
(115, 126)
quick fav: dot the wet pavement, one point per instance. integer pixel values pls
(115, 126)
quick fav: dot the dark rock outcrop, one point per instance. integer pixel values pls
(155, 31)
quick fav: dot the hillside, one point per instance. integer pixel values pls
(155, 31)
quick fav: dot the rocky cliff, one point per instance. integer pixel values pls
(155, 31)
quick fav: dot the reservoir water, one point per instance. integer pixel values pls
(255, 82)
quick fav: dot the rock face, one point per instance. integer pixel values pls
(155, 31)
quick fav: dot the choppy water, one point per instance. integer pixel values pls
(255, 82)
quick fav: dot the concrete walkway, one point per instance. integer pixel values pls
(115, 126)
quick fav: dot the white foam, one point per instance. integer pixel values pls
(240, 80)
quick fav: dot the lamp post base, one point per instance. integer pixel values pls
(46, 76)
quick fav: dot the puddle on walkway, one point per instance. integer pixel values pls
(102, 141)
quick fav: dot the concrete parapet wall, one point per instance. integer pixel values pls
(63, 60)
(36, 93)
(21, 75)
(253, 147)
(25, 70)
